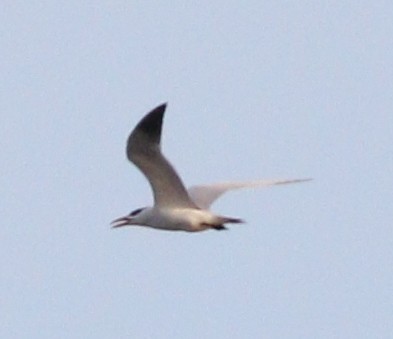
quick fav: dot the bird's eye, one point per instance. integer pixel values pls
(137, 211)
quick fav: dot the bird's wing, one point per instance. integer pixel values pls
(143, 150)
(204, 195)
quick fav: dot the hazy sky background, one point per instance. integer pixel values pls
(256, 89)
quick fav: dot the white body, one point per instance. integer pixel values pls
(179, 219)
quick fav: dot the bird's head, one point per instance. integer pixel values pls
(136, 217)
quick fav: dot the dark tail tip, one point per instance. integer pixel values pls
(233, 220)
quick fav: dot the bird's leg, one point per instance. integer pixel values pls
(219, 227)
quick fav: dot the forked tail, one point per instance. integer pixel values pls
(227, 220)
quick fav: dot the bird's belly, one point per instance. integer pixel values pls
(190, 220)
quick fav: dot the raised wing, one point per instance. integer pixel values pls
(204, 195)
(143, 150)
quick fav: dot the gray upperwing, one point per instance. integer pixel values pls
(143, 150)
(204, 195)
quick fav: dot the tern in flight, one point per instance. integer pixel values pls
(175, 208)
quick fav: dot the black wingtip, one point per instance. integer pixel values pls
(155, 114)
(159, 110)
(162, 106)
(151, 124)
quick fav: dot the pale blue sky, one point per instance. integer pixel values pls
(256, 89)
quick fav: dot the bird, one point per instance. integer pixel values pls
(175, 208)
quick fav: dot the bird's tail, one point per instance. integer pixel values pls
(228, 220)
(219, 226)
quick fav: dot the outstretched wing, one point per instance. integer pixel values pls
(204, 195)
(143, 150)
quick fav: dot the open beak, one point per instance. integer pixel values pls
(122, 221)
